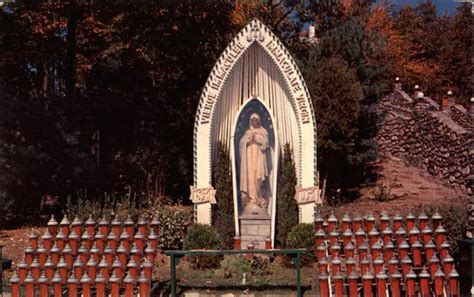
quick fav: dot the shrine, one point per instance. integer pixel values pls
(255, 102)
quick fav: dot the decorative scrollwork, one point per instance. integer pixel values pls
(202, 195)
(306, 195)
(255, 33)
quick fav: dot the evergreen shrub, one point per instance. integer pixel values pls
(302, 236)
(203, 237)
(287, 208)
(224, 212)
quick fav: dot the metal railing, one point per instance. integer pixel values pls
(175, 256)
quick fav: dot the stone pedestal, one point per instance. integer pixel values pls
(255, 229)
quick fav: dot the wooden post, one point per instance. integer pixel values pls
(395, 280)
(339, 284)
(15, 285)
(350, 265)
(116, 227)
(153, 239)
(332, 223)
(91, 268)
(86, 283)
(73, 242)
(410, 281)
(139, 241)
(22, 271)
(393, 265)
(346, 223)
(439, 283)
(425, 283)
(63, 269)
(448, 264)
(64, 226)
(387, 235)
(413, 235)
(114, 285)
(132, 268)
(73, 285)
(129, 282)
(100, 283)
(76, 226)
(410, 219)
(373, 236)
(237, 242)
(353, 279)
(47, 239)
(118, 268)
(43, 285)
(268, 243)
(349, 250)
(384, 221)
(321, 251)
(364, 266)
(397, 222)
(335, 250)
(144, 282)
(367, 283)
(147, 268)
(360, 237)
(426, 234)
(336, 265)
(78, 268)
(150, 253)
(57, 282)
(29, 285)
(369, 222)
(357, 222)
(423, 220)
(142, 226)
(53, 226)
(400, 235)
(453, 281)
(104, 226)
(323, 284)
(323, 265)
(129, 226)
(389, 249)
(29, 254)
(416, 252)
(90, 226)
(104, 269)
(33, 241)
(381, 284)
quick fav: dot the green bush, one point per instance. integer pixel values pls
(173, 227)
(235, 265)
(224, 214)
(286, 209)
(203, 237)
(302, 236)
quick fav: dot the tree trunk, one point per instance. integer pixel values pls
(71, 43)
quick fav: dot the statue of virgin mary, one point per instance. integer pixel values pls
(254, 170)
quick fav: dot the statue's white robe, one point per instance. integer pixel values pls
(253, 164)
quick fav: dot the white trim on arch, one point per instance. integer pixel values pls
(256, 33)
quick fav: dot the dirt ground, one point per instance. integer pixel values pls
(407, 187)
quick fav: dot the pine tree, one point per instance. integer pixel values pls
(224, 214)
(287, 208)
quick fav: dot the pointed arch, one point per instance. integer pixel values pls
(255, 64)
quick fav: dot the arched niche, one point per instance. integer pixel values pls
(240, 127)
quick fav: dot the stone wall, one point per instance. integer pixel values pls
(438, 141)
